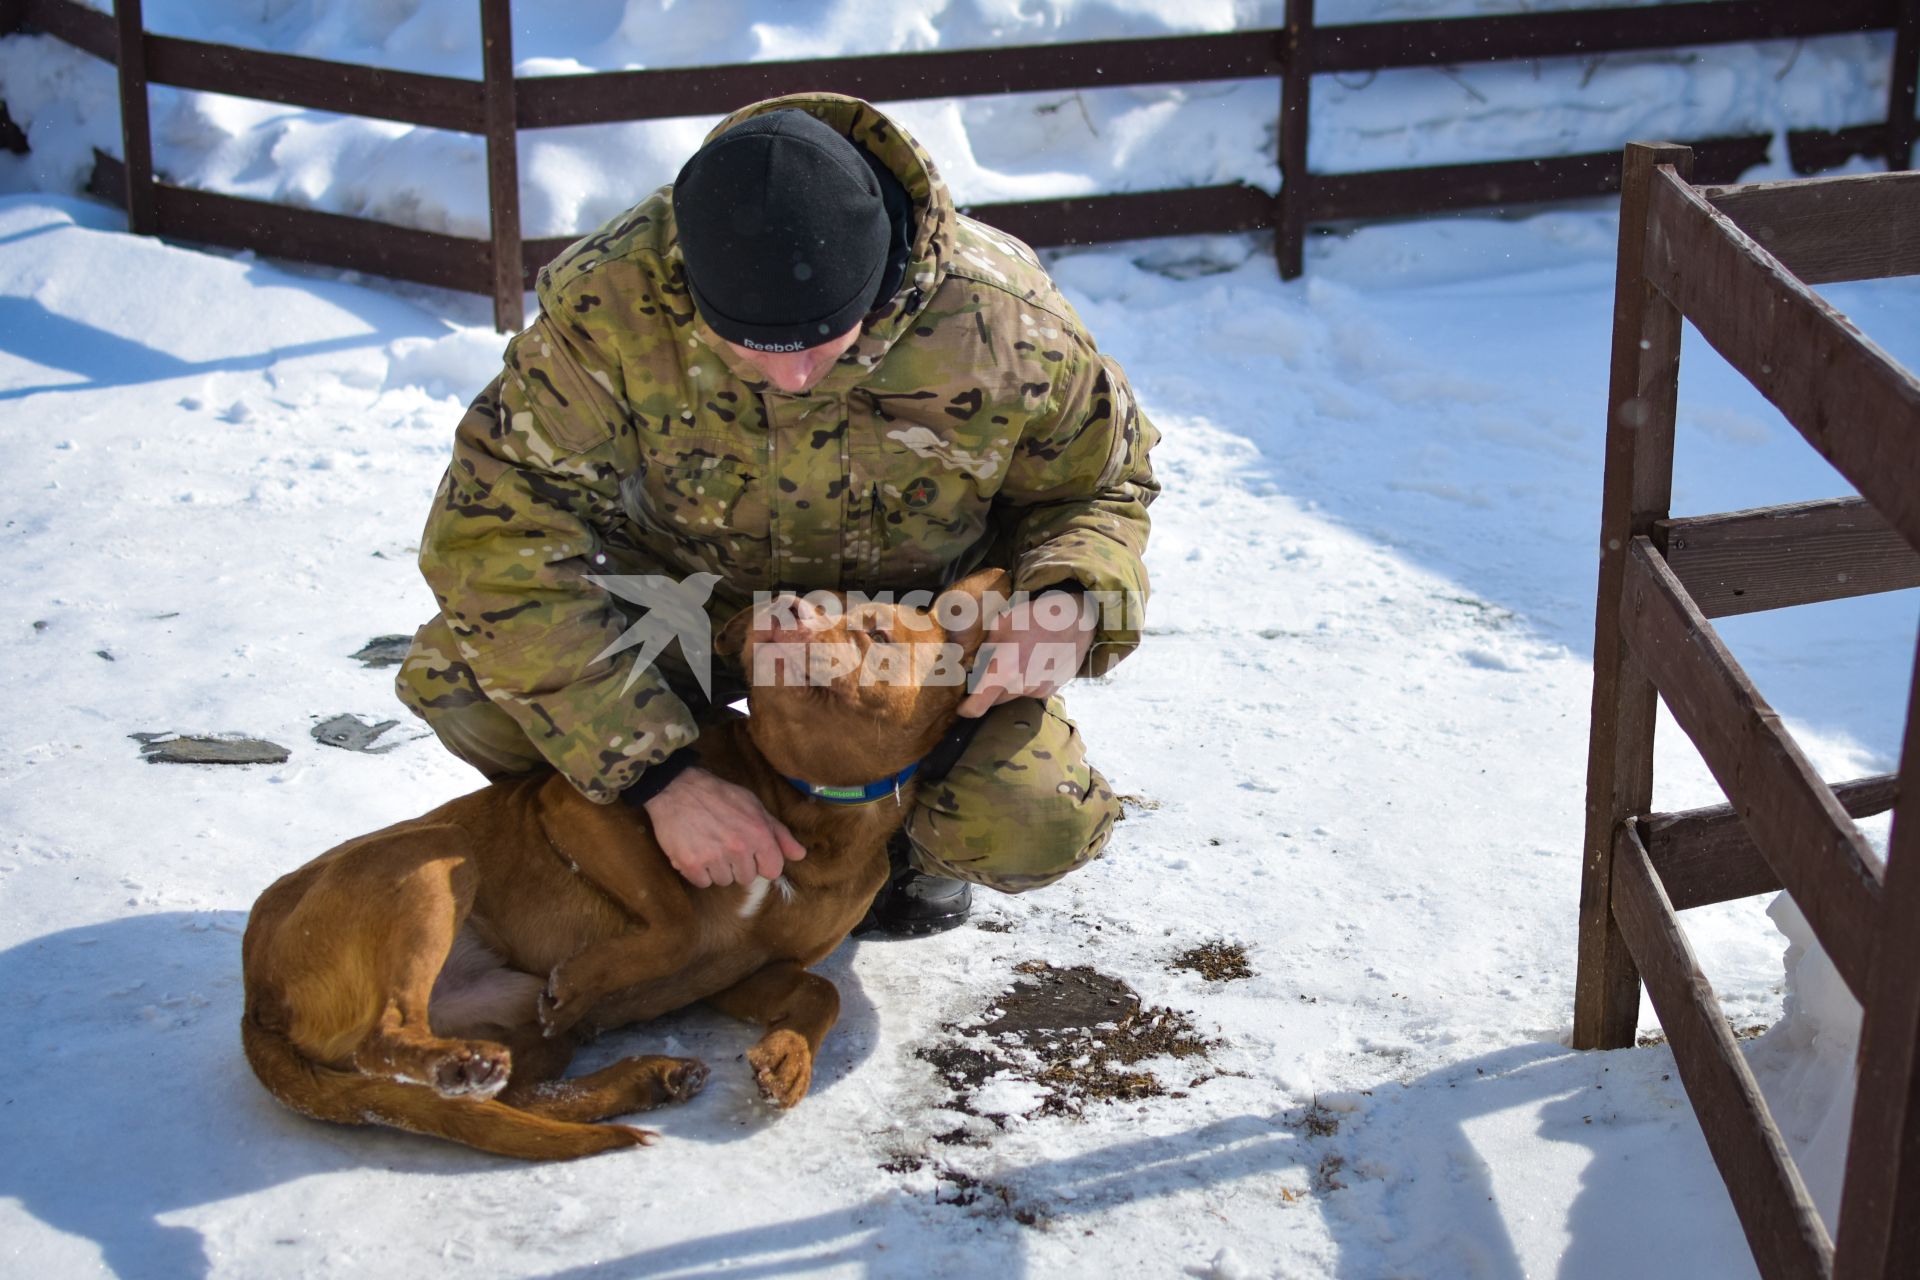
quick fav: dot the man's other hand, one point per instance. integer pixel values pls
(715, 833)
(1031, 650)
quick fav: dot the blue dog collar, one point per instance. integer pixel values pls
(879, 790)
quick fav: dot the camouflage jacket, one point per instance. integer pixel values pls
(973, 418)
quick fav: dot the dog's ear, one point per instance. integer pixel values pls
(732, 636)
(988, 589)
(983, 581)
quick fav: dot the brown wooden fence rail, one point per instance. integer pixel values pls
(1736, 262)
(499, 105)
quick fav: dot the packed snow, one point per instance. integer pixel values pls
(1354, 743)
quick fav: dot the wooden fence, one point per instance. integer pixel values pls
(1737, 262)
(499, 105)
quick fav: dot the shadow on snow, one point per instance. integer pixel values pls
(131, 1099)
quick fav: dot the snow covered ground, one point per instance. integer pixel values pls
(1358, 734)
(1356, 742)
(1011, 147)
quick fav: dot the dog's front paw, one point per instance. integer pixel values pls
(559, 1005)
(681, 1078)
(556, 1017)
(782, 1066)
(655, 1081)
(474, 1070)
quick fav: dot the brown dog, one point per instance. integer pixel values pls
(438, 975)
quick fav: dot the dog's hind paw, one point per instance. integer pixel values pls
(472, 1072)
(782, 1066)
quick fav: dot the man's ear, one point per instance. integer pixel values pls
(732, 636)
(988, 589)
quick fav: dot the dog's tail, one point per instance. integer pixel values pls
(349, 1097)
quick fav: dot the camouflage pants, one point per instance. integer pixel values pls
(1020, 808)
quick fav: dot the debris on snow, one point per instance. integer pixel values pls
(1317, 1120)
(1215, 961)
(164, 748)
(350, 733)
(384, 651)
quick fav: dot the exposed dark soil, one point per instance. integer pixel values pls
(1075, 1032)
(1215, 961)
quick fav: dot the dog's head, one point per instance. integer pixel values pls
(843, 690)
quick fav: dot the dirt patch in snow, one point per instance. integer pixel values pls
(1070, 1037)
(1317, 1121)
(1215, 961)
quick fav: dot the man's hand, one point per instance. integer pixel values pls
(1031, 650)
(715, 833)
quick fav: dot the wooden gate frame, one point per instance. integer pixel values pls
(1737, 262)
(499, 105)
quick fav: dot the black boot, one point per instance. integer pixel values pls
(913, 904)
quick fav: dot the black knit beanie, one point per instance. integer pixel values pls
(785, 230)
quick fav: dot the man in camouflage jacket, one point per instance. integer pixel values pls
(965, 419)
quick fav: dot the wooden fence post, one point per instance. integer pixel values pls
(1903, 84)
(136, 138)
(503, 165)
(1296, 96)
(1880, 1205)
(1641, 399)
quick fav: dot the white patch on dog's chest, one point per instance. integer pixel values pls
(757, 895)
